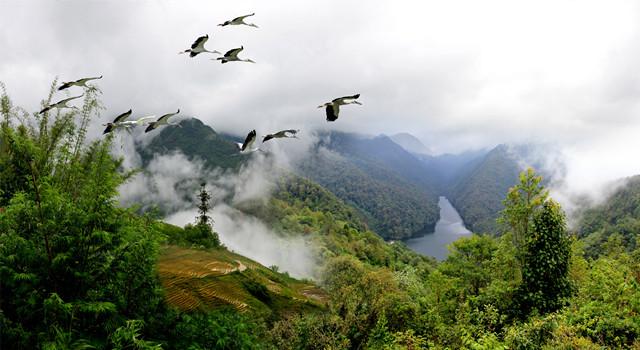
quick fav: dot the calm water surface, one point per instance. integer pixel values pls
(449, 228)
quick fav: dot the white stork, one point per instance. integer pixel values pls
(61, 104)
(140, 121)
(117, 122)
(333, 108)
(128, 124)
(238, 21)
(163, 120)
(290, 133)
(232, 56)
(247, 146)
(80, 82)
(198, 47)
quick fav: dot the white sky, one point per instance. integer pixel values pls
(456, 74)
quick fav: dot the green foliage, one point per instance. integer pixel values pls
(470, 261)
(258, 290)
(393, 205)
(478, 194)
(223, 329)
(547, 253)
(69, 257)
(195, 140)
(128, 337)
(522, 202)
(619, 214)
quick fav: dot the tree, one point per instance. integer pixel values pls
(521, 204)
(203, 207)
(201, 234)
(73, 265)
(546, 258)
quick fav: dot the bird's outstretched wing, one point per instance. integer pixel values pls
(242, 17)
(345, 98)
(62, 102)
(164, 119)
(332, 112)
(144, 120)
(122, 116)
(84, 80)
(234, 52)
(249, 140)
(290, 131)
(200, 41)
(267, 138)
(45, 109)
(66, 85)
(151, 126)
(109, 128)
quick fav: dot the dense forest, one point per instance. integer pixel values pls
(479, 190)
(387, 183)
(197, 140)
(79, 271)
(618, 218)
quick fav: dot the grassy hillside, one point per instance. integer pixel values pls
(619, 215)
(478, 195)
(202, 280)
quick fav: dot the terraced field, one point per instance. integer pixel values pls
(196, 279)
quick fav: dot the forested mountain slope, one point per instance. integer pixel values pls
(389, 186)
(379, 178)
(194, 139)
(478, 195)
(618, 215)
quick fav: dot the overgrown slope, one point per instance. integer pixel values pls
(619, 214)
(378, 177)
(478, 195)
(194, 139)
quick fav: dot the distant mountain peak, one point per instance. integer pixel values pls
(410, 143)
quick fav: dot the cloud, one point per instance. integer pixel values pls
(248, 236)
(170, 182)
(459, 74)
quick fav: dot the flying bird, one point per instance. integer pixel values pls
(232, 55)
(290, 133)
(61, 104)
(246, 147)
(140, 121)
(116, 123)
(198, 47)
(238, 21)
(80, 82)
(333, 108)
(163, 120)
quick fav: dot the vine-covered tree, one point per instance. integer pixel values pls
(547, 253)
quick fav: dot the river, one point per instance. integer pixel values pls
(448, 229)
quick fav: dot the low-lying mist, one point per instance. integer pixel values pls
(170, 182)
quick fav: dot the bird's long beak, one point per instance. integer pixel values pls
(356, 102)
(321, 106)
